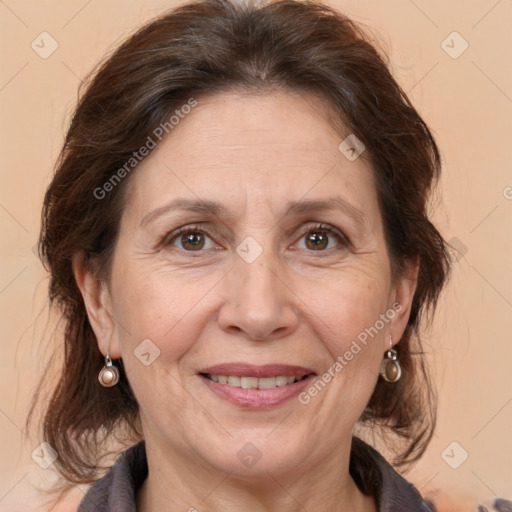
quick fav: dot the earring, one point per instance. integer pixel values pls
(109, 374)
(390, 369)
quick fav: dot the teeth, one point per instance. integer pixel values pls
(234, 381)
(281, 381)
(266, 383)
(246, 382)
(254, 382)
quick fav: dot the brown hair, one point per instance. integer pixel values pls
(204, 47)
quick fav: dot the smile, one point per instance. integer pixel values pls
(254, 382)
(256, 387)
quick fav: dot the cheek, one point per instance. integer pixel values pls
(157, 306)
(158, 324)
(347, 307)
(348, 315)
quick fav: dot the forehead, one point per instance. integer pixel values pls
(242, 148)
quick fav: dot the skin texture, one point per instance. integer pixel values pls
(295, 304)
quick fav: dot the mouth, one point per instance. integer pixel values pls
(256, 387)
(246, 382)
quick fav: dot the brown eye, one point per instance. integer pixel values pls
(317, 240)
(321, 238)
(192, 241)
(189, 239)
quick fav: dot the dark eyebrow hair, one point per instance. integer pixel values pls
(191, 205)
(331, 203)
(217, 209)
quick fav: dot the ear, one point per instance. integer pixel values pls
(97, 302)
(401, 300)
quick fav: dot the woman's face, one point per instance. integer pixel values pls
(282, 272)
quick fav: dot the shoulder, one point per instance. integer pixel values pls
(119, 485)
(374, 475)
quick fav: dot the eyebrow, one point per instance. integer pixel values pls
(293, 207)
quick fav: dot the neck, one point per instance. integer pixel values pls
(178, 482)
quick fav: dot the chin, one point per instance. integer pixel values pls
(254, 454)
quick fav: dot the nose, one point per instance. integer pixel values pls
(259, 303)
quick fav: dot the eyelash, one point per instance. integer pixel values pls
(342, 239)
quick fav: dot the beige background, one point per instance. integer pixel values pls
(466, 100)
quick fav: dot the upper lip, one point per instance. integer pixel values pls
(249, 370)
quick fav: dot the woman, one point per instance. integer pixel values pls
(237, 236)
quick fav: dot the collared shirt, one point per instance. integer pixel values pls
(116, 491)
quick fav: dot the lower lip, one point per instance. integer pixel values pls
(257, 398)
